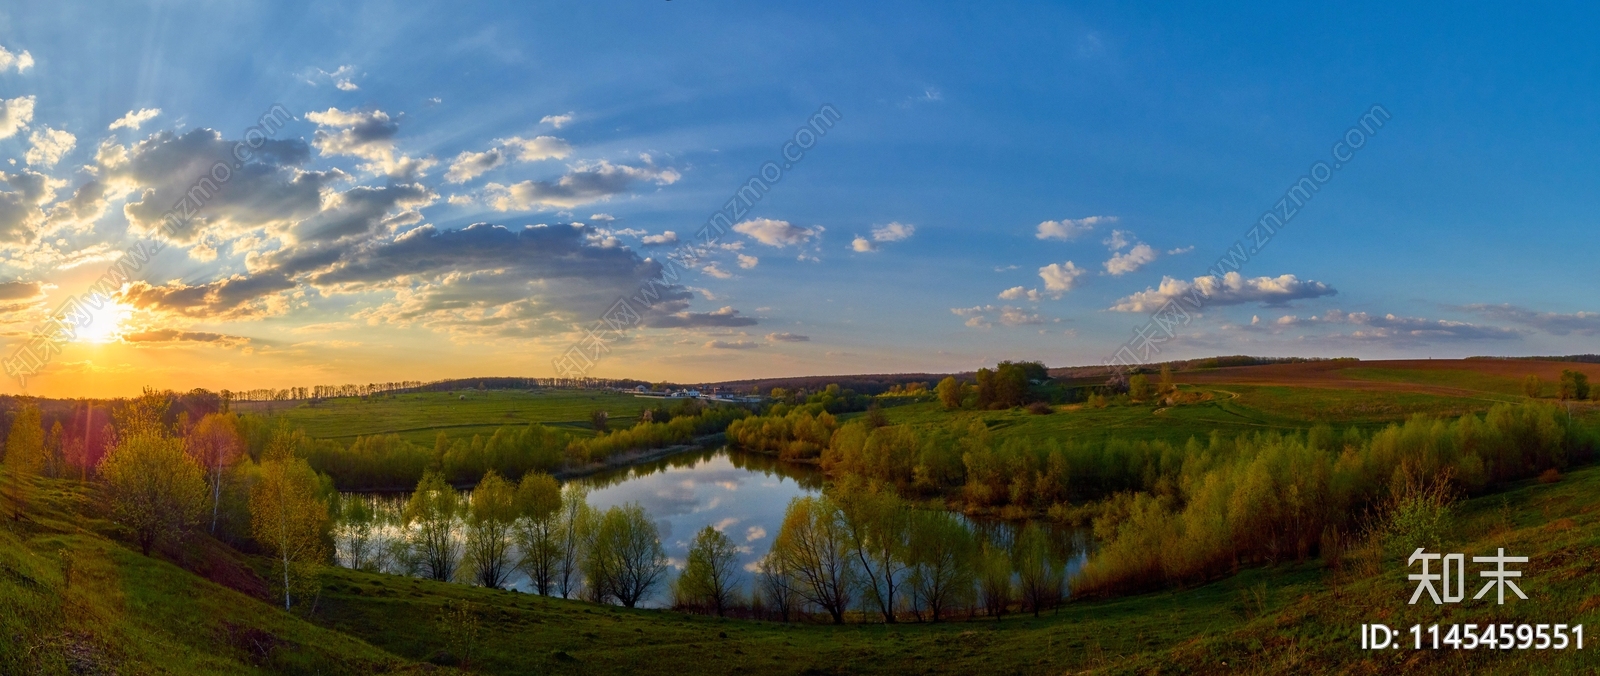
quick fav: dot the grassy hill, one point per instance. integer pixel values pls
(147, 615)
(74, 600)
(419, 417)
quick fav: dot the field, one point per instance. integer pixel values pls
(75, 598)
(419, 417)
(149, 615)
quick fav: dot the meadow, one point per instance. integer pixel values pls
(418, 417)
(80, 598)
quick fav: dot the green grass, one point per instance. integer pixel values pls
(1455, 378)
(1291, 618)
(124, 612)
(1232, 409)
(419, 417)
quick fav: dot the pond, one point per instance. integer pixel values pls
(742, 494)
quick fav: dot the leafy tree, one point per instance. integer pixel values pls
(1040, 577)
(597, 420)
(1166, 388)
(538, 531)
(576, 520)
(156, 490)
(431, 517)
(1574, 385)
(1533, 387)
(814, 545)
(624, 560)
(289, 519)
(988, 388)
(994, 579)
(215, 444)
(708, 573)
(941, 552)
(54, 457)
(877, 524)
(1139, 388)
(356, 535)
(25, 455)
(950, 392)
(490, 517)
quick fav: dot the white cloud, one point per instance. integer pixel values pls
(893, 232)
(135, 118)
(732, 345)
(584, 184)
(1389, 328)
(557, 121)
(1118, 240)
(863, 245)
(985, 316)
(776, 233)
(48, 146)
(369, 135)
(714, 271)
(787, 337)
(469, 165)
(21, 61)
(1231, 289)
(15, 114)
(665, 238)
(1060, 278)
(341, 77)
(1067, 228)
(1554, 323)
(1019, 293)
(747, 262)
(537, 148)
(1130, 261)
(1180, 250)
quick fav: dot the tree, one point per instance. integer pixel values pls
(1166, 388)
(708, 573)
(597, 420)
(624, 560)
(490, 517)
(54, 456)
(877, 524)
(576, 519)
(355, 536)
(1574, 385)
(994, 579)
(538, 530)
(1040, 578)
(430, 516)
(214, 443)
(24, 455)
(156, 490)
(1533, 387)
(778, 585)
(1139, 387)
(949, 391)
(941, 553)
(288, 518)
(988, 390)
(814, 545)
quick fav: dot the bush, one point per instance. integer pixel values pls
(1040, 408)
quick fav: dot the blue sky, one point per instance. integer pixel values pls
(1146, 141)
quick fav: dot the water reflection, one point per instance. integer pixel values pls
(742, 494)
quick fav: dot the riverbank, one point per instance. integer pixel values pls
(639, 457)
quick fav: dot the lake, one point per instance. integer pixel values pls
(742, 494)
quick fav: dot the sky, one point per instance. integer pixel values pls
(422, 190)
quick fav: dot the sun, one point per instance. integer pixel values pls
(105, 324)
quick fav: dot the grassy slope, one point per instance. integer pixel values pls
(138, 614)
(1292, 618)
(1231, 409)
(420, 417)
